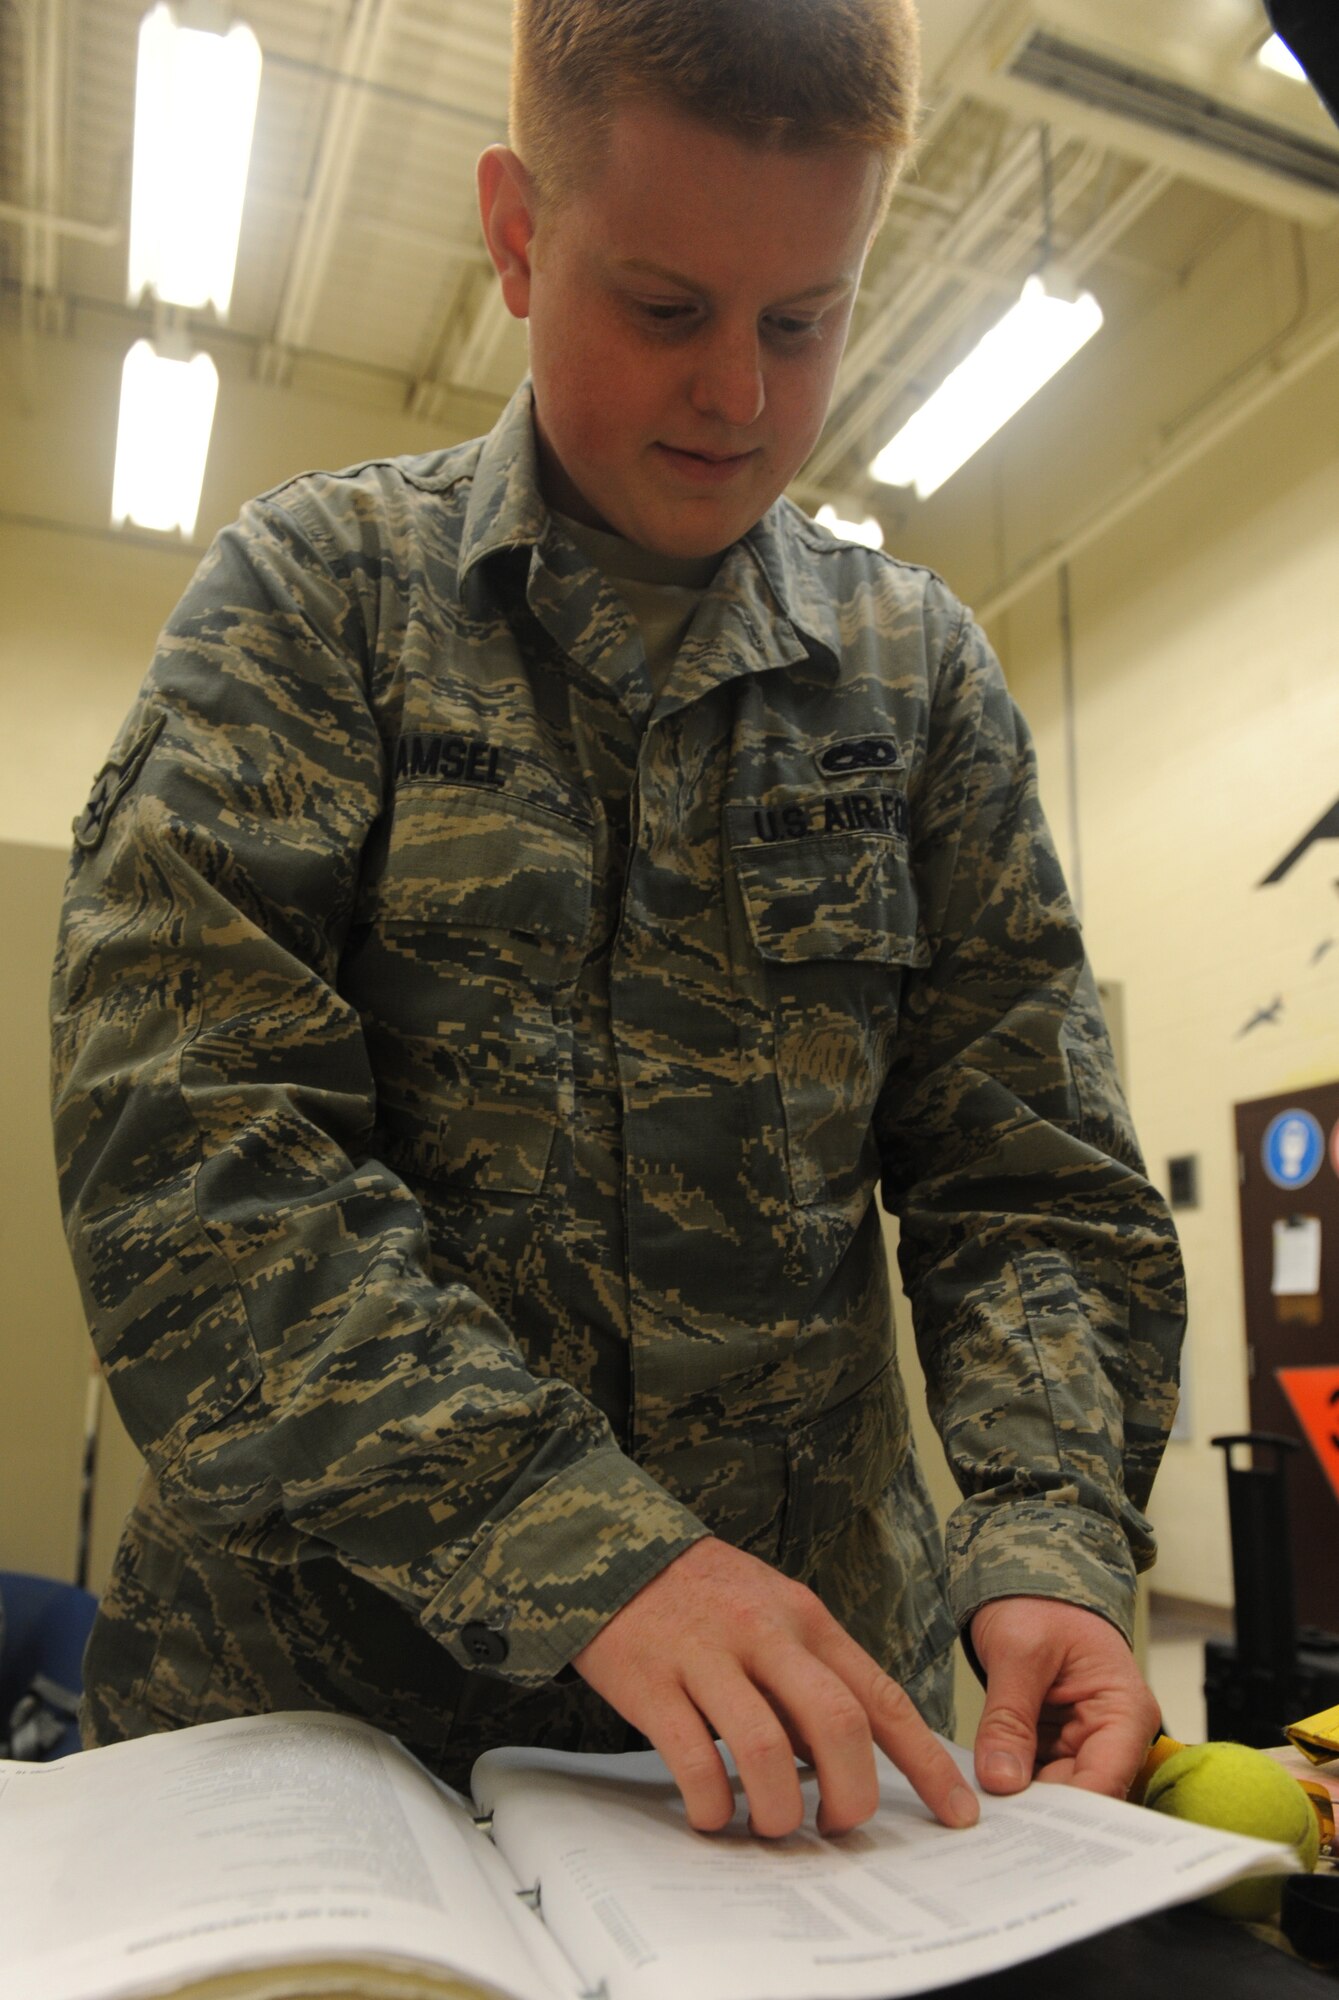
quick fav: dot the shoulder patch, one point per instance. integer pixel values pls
(112, 783)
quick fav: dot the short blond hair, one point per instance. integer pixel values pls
(785, 74)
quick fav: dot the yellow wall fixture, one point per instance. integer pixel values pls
(1037, 336)
(196, 85)
(162, 436)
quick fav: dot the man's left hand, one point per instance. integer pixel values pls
(1065, 1701)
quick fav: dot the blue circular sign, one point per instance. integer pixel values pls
(1293, 1149)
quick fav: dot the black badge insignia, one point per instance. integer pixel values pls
(860, 753)
(112, 783)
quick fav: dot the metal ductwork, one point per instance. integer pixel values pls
(1115, 86)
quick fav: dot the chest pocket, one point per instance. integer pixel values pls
(833, 920)
(469, 945)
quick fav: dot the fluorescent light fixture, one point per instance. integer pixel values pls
(162, 438)
(195, 110)
(1276, 55)
(1036, 337)
(867, 532)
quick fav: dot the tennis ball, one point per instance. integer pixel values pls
(1243, 1791)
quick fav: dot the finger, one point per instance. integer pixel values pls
(902, 1734)
(675, 1728)
(1108, 1757)
(817, 1707)
(1056, 1737)
(795, 1730)
(1006, 1736)
(760, 1744)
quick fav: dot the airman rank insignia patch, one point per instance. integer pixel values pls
(112, 783)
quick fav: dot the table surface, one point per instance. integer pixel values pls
(1171, 1956)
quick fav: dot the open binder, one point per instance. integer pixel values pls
(301, 1856)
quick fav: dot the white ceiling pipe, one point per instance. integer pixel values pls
(335, 169)
(107, 234)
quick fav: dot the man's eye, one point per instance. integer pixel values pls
(794, 329)
(662, 313)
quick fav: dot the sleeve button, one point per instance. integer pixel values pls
(485, 1647)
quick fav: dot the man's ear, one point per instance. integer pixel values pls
(506, 212)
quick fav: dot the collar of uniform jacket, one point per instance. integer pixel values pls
(771, 579)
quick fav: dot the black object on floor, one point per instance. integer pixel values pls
(1271, 1674)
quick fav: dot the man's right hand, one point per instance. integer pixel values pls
(720, 1642)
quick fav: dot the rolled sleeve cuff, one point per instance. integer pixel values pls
(550, 1575)
(1039, 1548)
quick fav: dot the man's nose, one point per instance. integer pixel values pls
(728, 381)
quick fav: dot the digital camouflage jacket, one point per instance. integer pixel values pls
(473, 1077)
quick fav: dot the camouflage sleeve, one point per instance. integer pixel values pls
(1042, 1267)
(259, 1286)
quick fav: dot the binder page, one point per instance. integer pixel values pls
(638, 1900)
(256, 1841)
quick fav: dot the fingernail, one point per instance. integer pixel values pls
(962, 1806)
(1003, 1768)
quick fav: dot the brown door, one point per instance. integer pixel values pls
(1288, 1151)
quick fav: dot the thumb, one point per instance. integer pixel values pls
(1006, 1737)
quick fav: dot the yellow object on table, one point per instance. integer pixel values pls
(1243, 1790)
(1316, 1736)
(1159, 1750)
(1322, 1804)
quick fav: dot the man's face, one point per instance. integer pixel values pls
(687, 313)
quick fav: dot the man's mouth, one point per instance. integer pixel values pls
(707, 464)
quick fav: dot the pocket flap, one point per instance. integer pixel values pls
(831, 896)
(463, 857)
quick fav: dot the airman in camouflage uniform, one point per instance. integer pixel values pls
(474, 1072)
(496, 977)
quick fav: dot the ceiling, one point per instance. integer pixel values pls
(361, 251)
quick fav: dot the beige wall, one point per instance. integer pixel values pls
(44, 1350)
(1206, 673)
(81, 616)
(1205, 630)
(82, 607)
(82, 604)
